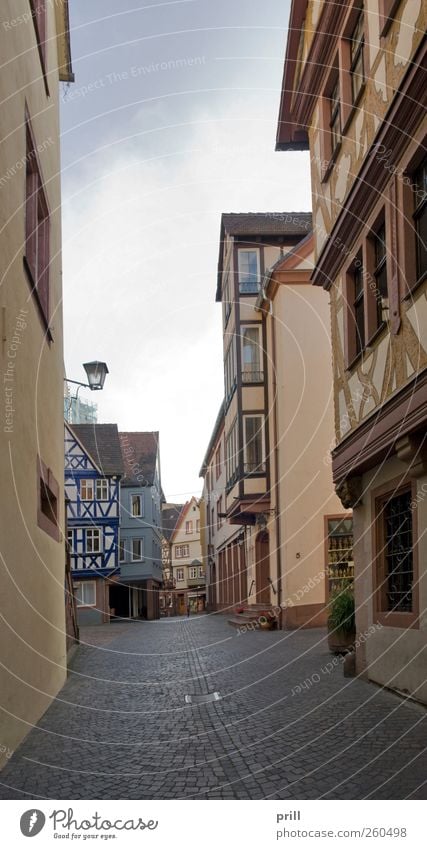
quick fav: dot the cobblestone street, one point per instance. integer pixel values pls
(122, 728)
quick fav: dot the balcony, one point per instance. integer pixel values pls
(197, 582)
(249, 287)
(252, 376)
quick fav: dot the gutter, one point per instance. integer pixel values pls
(262, 298)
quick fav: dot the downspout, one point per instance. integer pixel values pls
(276, 450)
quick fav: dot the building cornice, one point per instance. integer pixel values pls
(297, 104)
(375, 438)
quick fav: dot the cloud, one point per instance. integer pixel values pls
(141, 228)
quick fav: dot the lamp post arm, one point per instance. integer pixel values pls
(77, 382)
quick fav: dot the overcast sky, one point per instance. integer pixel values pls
(171, 121)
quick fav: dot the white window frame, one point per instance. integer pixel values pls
(141, 548)
(248, 371)
(103, 485)
(260, 429)
(178, 551)
(94, 533)
(70, 538)
(189, 527)
(87, 484)
(83, 585)
(201, 572)
(192, 572)
(122, 551)
(141, 505)
(180, 574)
(243, 283)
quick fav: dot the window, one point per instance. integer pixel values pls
(37, 227)
(251, 355)
(198, 526)
(226, 298)
(70, 541)
(102, 490)
(396, 553)
(182, 551)
(230, 371)
(86, 490)
(213, 521)
(192, 572)
(218, 462)
(335, 119)
(180, 574)
(249, 271)
(122, 551)
(254, 453)
(357, 60)
(136, 505)
(47, 501)
(201, 572)
(85, 594)
(137, 549)
(359, 310)
(188, 527)
(380, 271)
(93, 540)
(232, 453)
(219, 513)
(420, 218)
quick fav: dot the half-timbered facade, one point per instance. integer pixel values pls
(355, 96)
(93, 469)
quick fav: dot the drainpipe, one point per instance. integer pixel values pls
(276, 447)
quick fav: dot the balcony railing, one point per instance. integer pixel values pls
(249, 287)
(252, 376)
(254, 468)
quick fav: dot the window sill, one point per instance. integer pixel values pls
(397, 620)
(35, 295)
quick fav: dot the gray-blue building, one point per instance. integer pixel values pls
(140, 546)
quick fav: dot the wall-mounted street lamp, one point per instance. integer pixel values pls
(96, 374)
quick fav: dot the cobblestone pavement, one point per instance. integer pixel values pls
(121, 727)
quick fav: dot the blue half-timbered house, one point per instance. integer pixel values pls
(93, 469)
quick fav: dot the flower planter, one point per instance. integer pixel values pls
(341, 642)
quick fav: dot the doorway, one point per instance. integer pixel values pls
(262, 553)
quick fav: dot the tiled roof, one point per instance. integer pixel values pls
(102, 442)
(170, 516)
(266, 223)
(139, 450)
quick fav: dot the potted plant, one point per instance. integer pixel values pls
(341, 621)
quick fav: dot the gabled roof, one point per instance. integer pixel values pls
(139, 451)
(266, 226)
(184, 511)
(170, 517)
(102, 443)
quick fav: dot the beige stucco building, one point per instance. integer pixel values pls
(354, 95)
(187, 560)
(35, 51)
(270, 504)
